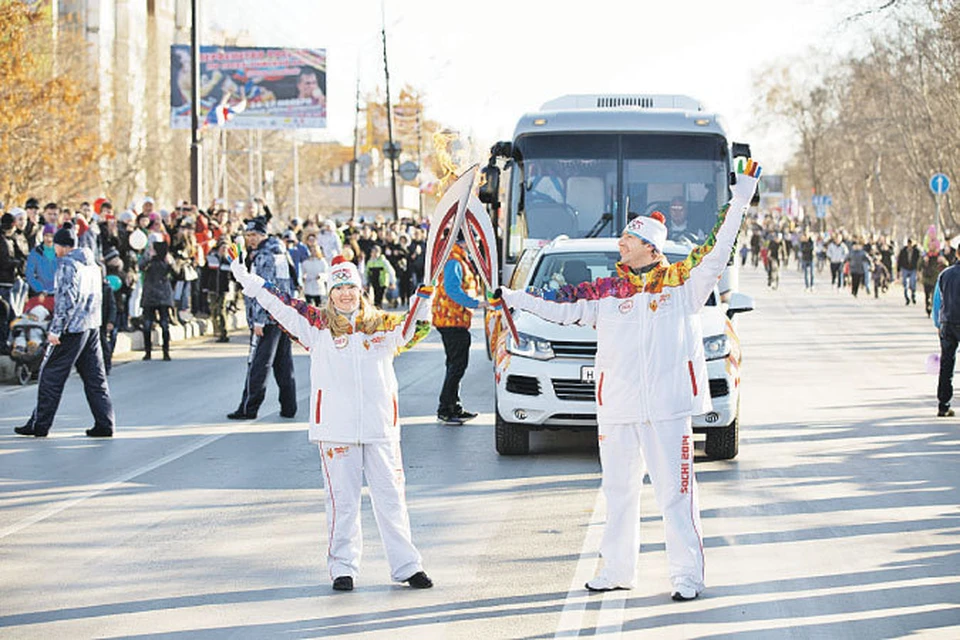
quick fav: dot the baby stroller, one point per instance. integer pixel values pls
(28, 338)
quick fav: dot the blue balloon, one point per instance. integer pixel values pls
(114, 282)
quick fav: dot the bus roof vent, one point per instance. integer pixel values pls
(640, 101)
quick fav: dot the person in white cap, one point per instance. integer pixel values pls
(650, 372)
(354, 416)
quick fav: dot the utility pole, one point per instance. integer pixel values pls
(392, 155)
(354, 184)
(420, 157)
(196, 158)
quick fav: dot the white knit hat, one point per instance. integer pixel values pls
(651, 230)
(344, 272)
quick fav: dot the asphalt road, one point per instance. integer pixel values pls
(839, 518)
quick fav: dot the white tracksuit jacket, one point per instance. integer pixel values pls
(650, 361)
(353, 384)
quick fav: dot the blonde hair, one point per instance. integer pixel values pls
(369, 319)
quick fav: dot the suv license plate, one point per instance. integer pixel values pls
(587, 374)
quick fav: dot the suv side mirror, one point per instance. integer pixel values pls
(739, 303)
(489, 190)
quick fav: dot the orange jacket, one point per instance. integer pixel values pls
(446, 312)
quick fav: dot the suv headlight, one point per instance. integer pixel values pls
(716, 347)
(530, 347)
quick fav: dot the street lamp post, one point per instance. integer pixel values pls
(196, 157)
(391, 155)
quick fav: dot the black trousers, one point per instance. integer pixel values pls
(83, 351)
(108, 341)
(271, 351)
(856, 279)
(150, 314)
(949, 339)
(456, 346)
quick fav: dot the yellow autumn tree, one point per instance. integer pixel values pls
(49, 143)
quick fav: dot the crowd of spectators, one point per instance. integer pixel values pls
(171, 265)
(870, 261)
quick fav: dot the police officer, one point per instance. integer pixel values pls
(74, 337)
(270, 347)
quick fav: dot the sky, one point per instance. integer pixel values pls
(484, 64)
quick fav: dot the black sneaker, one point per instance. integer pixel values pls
(343, 583)
(946, 413)
(466, 415)
(240, 415)
(288, 415)
(419, 580)
(453, 421)
(27, 430)
(97, 432)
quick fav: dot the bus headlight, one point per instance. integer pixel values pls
(530, 347)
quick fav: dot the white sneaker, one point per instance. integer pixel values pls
(683, 592)
(602, 583)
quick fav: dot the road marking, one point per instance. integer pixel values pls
(610, 618)
(125, 477)
(571, 618)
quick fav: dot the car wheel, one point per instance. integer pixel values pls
(512, 439)
(723, 443)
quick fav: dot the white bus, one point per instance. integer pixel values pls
(584, 165)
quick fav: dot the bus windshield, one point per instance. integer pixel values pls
(589, 185)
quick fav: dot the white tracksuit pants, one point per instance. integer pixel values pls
(344, 466)
(665, 448)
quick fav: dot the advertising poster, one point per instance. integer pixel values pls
(255, 87)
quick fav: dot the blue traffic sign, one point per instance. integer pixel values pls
(939, 183)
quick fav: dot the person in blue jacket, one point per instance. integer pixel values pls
(74, 337)
(946, 317)
(42, 264)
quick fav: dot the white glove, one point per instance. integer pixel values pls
(250, 282)
(748, 175)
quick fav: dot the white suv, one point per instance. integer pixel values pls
(548, 381)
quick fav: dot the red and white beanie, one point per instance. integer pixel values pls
(652, 229)
(344, 272)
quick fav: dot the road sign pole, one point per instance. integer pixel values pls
(936, 222)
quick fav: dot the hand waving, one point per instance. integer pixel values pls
(747, 175)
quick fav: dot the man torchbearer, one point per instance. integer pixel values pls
(651, 378)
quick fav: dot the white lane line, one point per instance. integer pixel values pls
(571, 618)
(126, 477)
(610, 618)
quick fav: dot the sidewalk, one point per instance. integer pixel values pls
(128, 341)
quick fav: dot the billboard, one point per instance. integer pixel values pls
(267, 87)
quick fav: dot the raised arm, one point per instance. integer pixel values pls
(296, 317)
(574, 305)
(705, 264)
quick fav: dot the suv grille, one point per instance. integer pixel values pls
(718, 387)
(574, 349)
(574, 390)
(523, 385)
